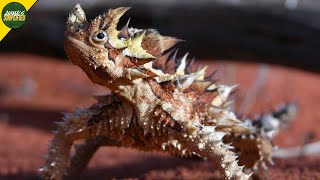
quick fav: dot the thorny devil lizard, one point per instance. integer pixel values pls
(157, 103)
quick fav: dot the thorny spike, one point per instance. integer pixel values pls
(224, 92)
(77, 15)
(181, 68)
(111, 19)
(134, 48)
(163, 59)
(199, 67)
(124, 33)
(76, 19)
(187, 80)
(110, 23)
(264, 166)
(43, 169)
(184, 151)
(212, 87)
(202, 72)
(210, 77)
(270, 161)
(228, 104)
(135, 73)
(228, 89)
(168, 54)
(189, 65)
(174, 143)
(179, 146)
(163, 146)
(127, 24)
(136, 41)
(168, 42)
(173, 58)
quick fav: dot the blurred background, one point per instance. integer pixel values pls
(272, 31)
(270, 47)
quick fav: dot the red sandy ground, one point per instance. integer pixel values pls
(34, 90)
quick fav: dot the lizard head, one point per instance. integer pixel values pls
(110, 56)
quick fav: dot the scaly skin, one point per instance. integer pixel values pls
(158, 103)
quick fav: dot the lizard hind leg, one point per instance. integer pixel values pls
(210, 149)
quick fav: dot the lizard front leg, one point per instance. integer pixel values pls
(98, 120)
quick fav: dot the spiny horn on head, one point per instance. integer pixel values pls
(77, 15)
(112, 17)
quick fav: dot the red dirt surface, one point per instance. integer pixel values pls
(34, 90)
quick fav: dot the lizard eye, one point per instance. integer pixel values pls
(100, 37)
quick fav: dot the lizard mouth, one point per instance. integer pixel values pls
(76, 48)
(75, 43)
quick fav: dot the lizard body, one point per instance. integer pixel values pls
(157, 103)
